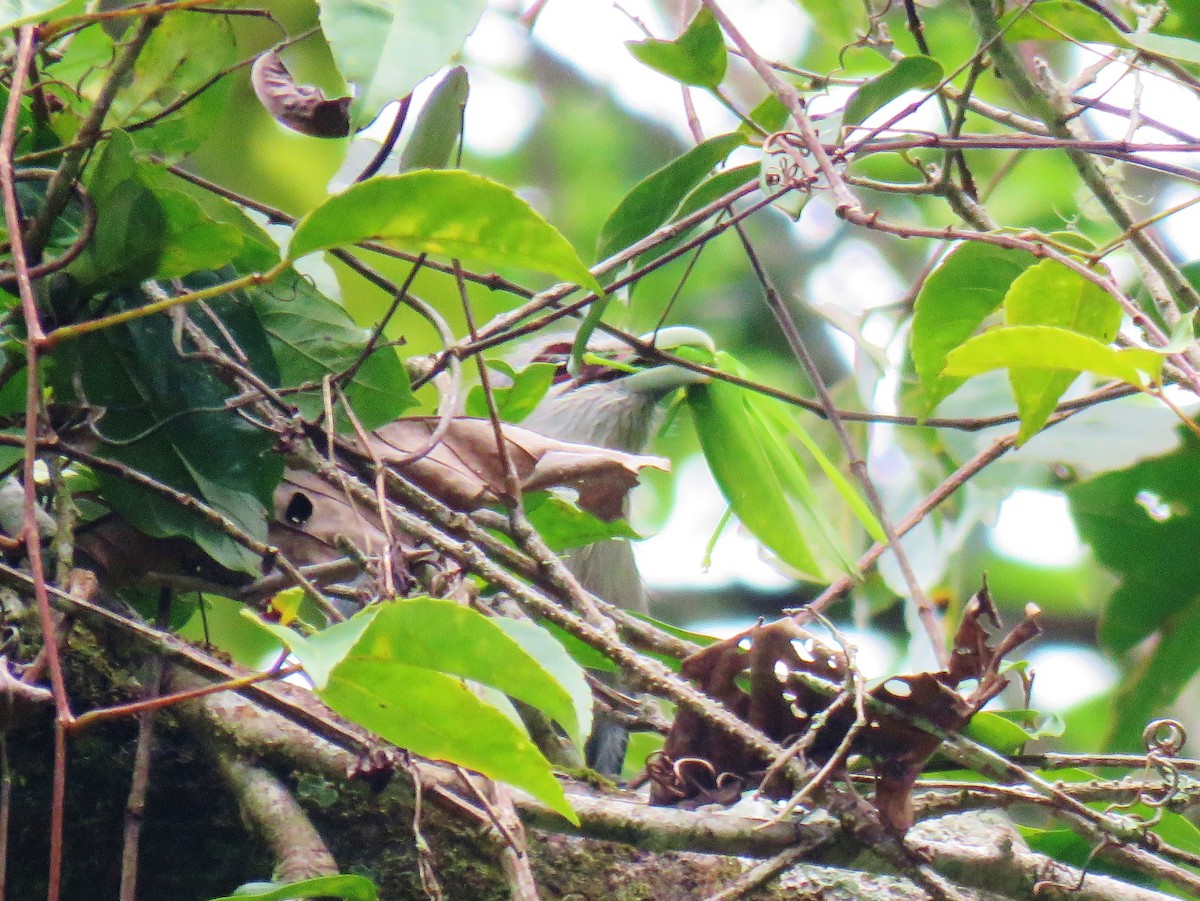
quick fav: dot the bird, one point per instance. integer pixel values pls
(614, 399)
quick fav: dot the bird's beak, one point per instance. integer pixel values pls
(653, 376)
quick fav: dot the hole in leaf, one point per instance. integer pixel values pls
(299, 509)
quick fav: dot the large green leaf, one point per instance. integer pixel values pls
(312, 337)
(219, 220)
(785, 422)
(1051, 294)
(385, 48)
(697, 57)
(398, 669)
(1136, 519)
(447, 212)
(439, 125)
(164, 415)
(1044, 347)
(554, 659)
(192, 240)
(656, 197)
(965, 289)
(910, 73)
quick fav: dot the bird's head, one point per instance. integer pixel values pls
(612, 399)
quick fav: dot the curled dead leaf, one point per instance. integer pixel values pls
(301, 107)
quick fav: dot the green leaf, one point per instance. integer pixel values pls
(398, 669)
(256, 251)
(908, 74)
(697, 57)
(439, 126)
(656, 197)
(1150, 685)
(1059, 20)
(563, 525)
(1049, 293)
(518, 400)
(965, 289)
(785, 422)
(1135, 520)
(223, 624)
(1044, 347)
(192, 240)
(1181, 49)
(836, 20)
(384, 49)
(312, 337)
(447, 212)
(769, 113)
(554, 659)
(996, 732)
(712, 188)
(183, 53)
(346, 887)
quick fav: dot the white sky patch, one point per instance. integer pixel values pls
(1180, 228)
(500, 113)
(855, 277)
(1036, 527)
(497, 41)
(1066, 675)
(674, 557)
